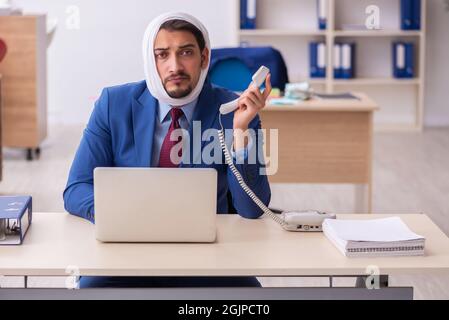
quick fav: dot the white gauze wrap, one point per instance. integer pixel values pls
(154, 82)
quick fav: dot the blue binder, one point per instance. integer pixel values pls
(248, 9)
(406, 15)
(322, 14)
(317, 55)
(403, 60)
(398, 54)
(416, 14)
(337, 61)
(411, 14)
(15, 219)
(348, 60)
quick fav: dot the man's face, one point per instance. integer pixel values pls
(179, 61)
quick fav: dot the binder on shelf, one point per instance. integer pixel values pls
(322, 14)
(317, 54)
(411, 14)
(403, 60)
(347, 60)
(248, 9)
(416, 10)
(406, 15)
(337, 61)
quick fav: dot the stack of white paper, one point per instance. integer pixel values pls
(373, 238)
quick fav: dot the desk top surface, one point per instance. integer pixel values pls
(364, 104)
(58, 243)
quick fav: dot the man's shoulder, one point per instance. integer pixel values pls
(127, 90)
(117, 101)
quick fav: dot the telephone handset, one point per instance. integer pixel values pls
(305, 221)
(258, 80)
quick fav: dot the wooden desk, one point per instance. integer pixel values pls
(244, 248)
(325, 141)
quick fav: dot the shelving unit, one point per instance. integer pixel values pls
(275, 32)
(376, 33)
(291, 25)
(377, 81)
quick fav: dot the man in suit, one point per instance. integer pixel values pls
(131, 126)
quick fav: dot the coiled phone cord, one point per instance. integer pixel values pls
(242, 183)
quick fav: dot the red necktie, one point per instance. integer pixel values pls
(164, 159)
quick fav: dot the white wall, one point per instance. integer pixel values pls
(437, 77)
(106, 50)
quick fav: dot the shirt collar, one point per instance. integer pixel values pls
(188, 109)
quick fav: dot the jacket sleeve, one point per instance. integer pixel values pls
(95, 150)
(254, 178)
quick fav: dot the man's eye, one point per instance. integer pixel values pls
(161, 55)
(187, 52)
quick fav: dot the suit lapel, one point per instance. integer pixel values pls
(144, 117)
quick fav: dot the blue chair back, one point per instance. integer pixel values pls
(232, 68)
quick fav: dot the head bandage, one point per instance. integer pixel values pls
(154, 82)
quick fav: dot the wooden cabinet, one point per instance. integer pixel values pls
(24, 81)
(325, 141)
(1, 149)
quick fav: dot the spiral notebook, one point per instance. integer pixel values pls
(374, 238)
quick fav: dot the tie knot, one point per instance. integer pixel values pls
(176, 113)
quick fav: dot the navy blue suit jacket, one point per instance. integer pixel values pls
(120, 134)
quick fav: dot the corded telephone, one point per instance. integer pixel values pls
(304, 221)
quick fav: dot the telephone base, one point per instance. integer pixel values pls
(305, 221)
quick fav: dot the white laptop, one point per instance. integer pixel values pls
(155, 204)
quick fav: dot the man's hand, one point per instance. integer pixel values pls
(249, 105)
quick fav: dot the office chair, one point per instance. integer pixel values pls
(232, 68)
